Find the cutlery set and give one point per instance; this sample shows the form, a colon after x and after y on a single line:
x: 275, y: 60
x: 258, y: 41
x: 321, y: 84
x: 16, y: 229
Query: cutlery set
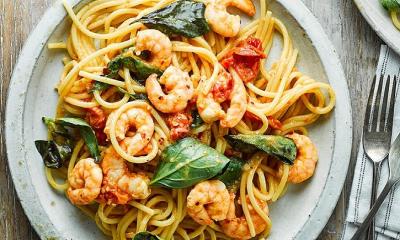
x: 377, y: 135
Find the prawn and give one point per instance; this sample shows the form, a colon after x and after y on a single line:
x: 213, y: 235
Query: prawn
x: 177, y: 84
x: 158, y: 44
x: 221, y: 21
x: 119, y: 184
x: 208, y: 201
x: 307, y: 157
x: 134, y: 118
x: 237, y: 227
x: 84, y: 182
x: 209, y: 105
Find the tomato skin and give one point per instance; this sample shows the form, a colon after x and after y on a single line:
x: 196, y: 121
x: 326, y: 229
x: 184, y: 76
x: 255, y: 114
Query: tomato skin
x: 179, y: 123
x: 274, y: 123
x: 245, y: 58
x: 97, y: 118
x: 223, y: 87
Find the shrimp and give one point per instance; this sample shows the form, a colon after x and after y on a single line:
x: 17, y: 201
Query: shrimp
x: 237, y: 227
x: 304, y: 164
x: 208, y: 201
x: 84, y: 182
x: 134, y: 118
x: 177, y: 84
x: 221, y: 21
x: 119, y: 184
x: 209, y: 105
x: 159, y: 46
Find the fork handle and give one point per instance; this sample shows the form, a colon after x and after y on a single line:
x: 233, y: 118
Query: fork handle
x: 373, y: 210
x: 375, y: 184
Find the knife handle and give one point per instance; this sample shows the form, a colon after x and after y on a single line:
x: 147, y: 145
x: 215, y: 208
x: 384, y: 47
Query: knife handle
x: 373, y: 210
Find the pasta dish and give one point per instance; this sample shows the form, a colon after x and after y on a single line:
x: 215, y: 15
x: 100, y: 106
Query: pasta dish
x: 170, y: 125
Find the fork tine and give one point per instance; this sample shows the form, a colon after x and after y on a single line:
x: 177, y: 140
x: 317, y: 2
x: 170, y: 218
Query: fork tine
x: 377, y: 103
x: 368, y: 111
x: 385, y: 101
x: 389, y: 122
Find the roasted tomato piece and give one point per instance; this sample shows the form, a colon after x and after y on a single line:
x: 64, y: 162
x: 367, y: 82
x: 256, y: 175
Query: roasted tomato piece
x: 179, y: 123
x: 97, y: 118
x: 223, y: 87
x: 274, y: 123
x: 245, y: 58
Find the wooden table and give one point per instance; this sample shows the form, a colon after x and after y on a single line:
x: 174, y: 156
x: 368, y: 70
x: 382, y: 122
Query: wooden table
x: 356, y: 43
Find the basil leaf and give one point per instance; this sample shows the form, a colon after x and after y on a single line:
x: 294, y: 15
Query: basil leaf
x: 86, y: 132
x: 184, y: 18
x: 146, y: 236
x: 55, y: 129
x: 99, y: 86
x: 139, y: 68
x: 53, y: 155
x: 136, y: 96
x: 281, y: 147
x: 232, y: 173
x: 187, y: 162
x: 390, y: 5
x: 197, y: 120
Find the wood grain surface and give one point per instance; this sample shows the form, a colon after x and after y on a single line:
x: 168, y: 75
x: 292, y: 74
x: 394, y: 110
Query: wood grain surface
x: 356, y: 43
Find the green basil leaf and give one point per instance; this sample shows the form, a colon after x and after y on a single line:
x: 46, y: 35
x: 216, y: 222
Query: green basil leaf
x: 55, y: 129
x: 184, y: 18
x: 390, y: 5
x: 136, y: 96
x: 146, y: 236
x: 86, y: 132
x: 140, y: 69
x: 281, y: 147
x: 53, y: 155
x: 232, y: 173
x: 99, y: 86
x: 187, y: 162
x: 197, y: 120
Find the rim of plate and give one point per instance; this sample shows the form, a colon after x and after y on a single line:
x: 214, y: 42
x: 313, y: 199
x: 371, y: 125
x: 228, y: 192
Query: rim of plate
x: 14, y: 130
x: 386, y: 34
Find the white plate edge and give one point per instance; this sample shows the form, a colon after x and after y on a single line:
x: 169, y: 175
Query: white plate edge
x: 383, y: 33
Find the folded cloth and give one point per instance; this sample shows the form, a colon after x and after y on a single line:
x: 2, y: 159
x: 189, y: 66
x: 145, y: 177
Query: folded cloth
x: 387, y: 220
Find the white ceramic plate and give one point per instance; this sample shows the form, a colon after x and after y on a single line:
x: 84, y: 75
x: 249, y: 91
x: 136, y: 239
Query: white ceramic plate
x: 301, y: 214
x: 380, y: 21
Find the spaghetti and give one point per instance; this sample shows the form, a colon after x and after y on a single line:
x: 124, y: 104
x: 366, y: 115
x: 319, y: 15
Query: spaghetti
x: 280, y: 100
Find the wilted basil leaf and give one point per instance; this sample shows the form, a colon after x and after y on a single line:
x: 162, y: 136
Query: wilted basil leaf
x: 136, y: 96
x: 232, y: 173
x: 184, y: 18
x: 86, y: 132
x: 139, y: 68
x: 146, y: 236
x: 53, y: 155
x: 99, y: 86
x: 55, y: 129
x: 281, y: 147
x: 197, y: 121
x: 187, y: 162
x: 390, y: 5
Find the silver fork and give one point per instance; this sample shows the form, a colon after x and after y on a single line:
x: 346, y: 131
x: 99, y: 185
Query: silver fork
x: 377, y: 132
